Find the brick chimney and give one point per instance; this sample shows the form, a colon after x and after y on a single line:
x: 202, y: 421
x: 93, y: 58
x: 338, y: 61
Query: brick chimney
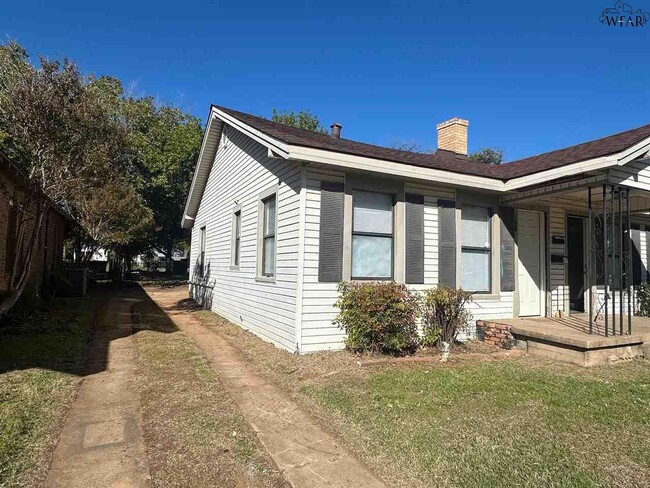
x: 452, y: 135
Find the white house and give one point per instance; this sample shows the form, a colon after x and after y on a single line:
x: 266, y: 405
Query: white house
x: 279, y: 215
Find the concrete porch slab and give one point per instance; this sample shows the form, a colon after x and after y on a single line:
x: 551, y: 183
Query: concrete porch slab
x: 567, y: 339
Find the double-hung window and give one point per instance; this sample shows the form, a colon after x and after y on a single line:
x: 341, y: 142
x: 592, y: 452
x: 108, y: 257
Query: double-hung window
x: 201, y: 263
x: 475, y: 249
x: 268, y: 236
x: 236, y: 238
x: 372, y: 236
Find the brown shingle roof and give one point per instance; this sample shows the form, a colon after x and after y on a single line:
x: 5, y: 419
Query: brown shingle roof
x: 573, y: 154
x: 446, y: 160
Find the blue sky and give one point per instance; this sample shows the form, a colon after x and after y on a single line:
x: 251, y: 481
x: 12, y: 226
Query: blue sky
x: 530, y: 76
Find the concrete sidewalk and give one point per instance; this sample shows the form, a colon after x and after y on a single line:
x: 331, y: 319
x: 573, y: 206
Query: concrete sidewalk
x: 101, y: 444
x: 308, y: 456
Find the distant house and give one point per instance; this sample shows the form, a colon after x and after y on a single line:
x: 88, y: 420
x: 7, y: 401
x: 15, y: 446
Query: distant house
x: 279, y: 215
x: 49, y: 248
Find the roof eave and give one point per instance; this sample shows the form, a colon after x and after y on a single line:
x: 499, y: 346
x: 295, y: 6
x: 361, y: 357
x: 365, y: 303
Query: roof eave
x: 209, y: 147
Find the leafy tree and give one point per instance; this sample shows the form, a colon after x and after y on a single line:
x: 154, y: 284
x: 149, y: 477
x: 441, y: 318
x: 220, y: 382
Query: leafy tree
x: 110, y: 216
x: 65, y: 137
x: 165, y: 143
x: 488, y: 155
x: 303, y: 119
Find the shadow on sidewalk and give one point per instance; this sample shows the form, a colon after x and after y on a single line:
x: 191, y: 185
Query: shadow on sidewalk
x: 73, y: 335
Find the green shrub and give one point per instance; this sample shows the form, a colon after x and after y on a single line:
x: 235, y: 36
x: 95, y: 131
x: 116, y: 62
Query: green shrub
x: 444, y: 315
x: 643, y: 295
x: 378, y: 317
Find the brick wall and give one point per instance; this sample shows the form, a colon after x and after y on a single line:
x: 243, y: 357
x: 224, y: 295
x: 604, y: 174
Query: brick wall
x: 495, y: 334
x: 6, y: 189
x: 48, y: 254
x: 452, y: 135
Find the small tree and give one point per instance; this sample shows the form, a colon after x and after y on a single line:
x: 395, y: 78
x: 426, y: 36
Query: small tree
x: 109, y: 216
x: 444, y: 315
x: 488, y: 155
x: 303, y: 119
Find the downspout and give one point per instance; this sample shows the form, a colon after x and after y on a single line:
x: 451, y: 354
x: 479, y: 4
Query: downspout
x: 301, y: 256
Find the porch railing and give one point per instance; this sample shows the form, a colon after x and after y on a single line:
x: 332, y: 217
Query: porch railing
x: 609, y: 258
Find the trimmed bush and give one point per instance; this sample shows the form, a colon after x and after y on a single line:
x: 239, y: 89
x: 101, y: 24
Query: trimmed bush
x: 444, y: 315
x: 378, y: 317
x: 643, y: 295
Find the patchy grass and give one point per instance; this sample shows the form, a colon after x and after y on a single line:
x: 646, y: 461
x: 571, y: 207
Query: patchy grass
x: 476, y: 421
x: 42, y: 348
x: 194, y: 432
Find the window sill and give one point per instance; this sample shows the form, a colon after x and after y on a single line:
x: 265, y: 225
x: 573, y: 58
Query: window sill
x: 234, y: 268
x: 265, y: 279
x: 492, y: 297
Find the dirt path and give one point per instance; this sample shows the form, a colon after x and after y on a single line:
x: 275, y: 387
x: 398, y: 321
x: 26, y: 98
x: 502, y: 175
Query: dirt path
x: 308, y: 456
x: 102, y: 443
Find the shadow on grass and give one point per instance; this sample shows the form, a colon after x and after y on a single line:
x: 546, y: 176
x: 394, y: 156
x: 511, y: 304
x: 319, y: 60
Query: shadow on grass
x: 73, y: 335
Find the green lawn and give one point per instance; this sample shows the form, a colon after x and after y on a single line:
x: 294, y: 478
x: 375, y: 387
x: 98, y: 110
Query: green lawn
x: 41, y: 356
x: 513, y: 422
x: 474, y: 421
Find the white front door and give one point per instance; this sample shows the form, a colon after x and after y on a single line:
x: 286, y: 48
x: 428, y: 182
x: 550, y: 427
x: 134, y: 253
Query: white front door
x: 530, y: 273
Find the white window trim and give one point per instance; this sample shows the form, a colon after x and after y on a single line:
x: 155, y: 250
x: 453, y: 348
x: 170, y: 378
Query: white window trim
x: 393, y: 209
x: 237, y: 208
x: 395, y: 187
x: 495, y: 252
x: 259, y: 276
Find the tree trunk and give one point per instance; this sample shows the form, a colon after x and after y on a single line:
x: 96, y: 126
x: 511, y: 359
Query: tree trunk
x: 24, y: 254
x: 11, y: 298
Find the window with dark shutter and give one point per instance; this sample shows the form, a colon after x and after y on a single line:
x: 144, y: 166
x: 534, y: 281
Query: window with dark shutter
x: 414, y: 226
x: 330, y: 265
x: 447, y: 243
x: 507, y: 230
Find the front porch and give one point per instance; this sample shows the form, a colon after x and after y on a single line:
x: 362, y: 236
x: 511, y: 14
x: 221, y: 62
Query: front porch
x: 567, y: 339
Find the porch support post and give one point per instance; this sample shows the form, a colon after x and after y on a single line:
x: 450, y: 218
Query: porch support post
x: 623, y: 270
x: 629, y: 268
x: 605, y: 259
x: 590, y: 236
x: 613, y: 270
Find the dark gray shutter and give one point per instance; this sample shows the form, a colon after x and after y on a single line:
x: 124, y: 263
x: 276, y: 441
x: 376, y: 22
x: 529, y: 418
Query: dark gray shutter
x: 447, y: 243
x: 507, y: 217
x: 637, y: 265
x: 414, y: 227
x: 330, y: 251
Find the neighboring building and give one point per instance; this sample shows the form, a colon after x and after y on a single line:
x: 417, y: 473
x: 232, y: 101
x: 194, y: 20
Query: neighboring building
x: 279, y: 215
x: 48, y: 257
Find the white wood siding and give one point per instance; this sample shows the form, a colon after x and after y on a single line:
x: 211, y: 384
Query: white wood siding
x: 241, y: 171
x: 318, y: 332
x: 559, y: 290
x: 318, y: 311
